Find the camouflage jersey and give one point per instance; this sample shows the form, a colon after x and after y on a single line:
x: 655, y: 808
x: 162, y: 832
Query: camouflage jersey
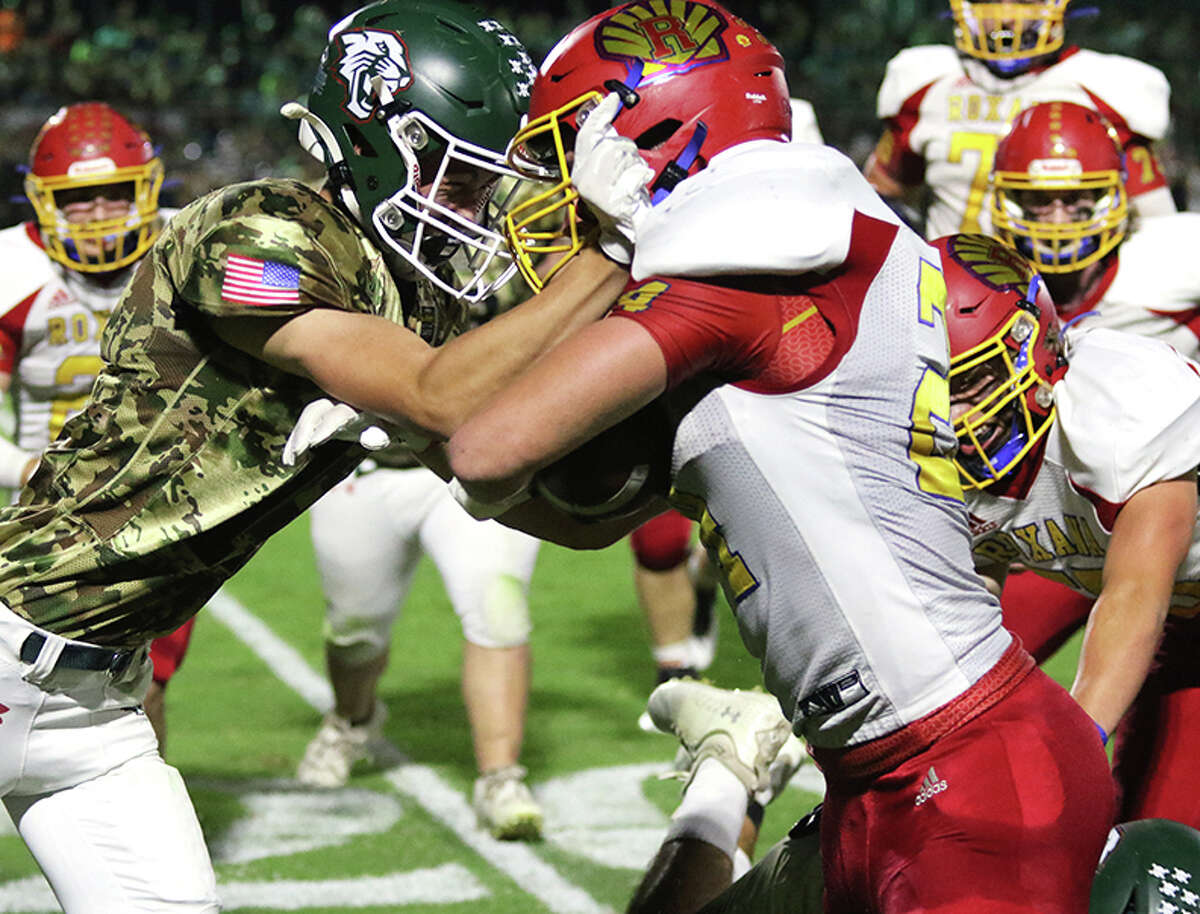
x: 170, y: 478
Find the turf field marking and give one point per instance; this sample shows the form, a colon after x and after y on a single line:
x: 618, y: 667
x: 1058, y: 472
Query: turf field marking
x: 445, y: 884
x: 418, y: 782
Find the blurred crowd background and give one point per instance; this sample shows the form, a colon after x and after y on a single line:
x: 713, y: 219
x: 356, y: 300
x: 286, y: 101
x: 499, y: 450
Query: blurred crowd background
x: 207, y: 79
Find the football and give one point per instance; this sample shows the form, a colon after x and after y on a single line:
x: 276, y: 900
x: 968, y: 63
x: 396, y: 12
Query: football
x: 617, y: 472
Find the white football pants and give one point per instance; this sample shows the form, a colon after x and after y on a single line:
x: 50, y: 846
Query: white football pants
x: 108, y: 821
x: 369, y: 533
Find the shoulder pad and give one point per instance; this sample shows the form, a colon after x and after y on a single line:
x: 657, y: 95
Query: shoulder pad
x: 1126, y: 408
x: 804, y: 122
x: 1159, y: 257
x: 761, y: 207
x: 25, y: 266
x: 910, y: 71
x: 1137, y: 91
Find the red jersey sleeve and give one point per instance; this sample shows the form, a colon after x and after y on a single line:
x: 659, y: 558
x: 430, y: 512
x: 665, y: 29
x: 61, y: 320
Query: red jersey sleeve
x: 1144, y: 171
x: 894, y: 154
x: 701, y: 327
x: 12, y: 332
x: 765, y: 333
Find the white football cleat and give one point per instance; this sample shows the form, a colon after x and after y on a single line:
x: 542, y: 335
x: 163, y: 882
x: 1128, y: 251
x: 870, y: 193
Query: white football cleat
x: 742, y: 730
x: 505, y: 807
x: 337, y: 746
x: 788, y: 761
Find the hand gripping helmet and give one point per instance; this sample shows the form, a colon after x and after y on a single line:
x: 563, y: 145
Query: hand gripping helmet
x: 1003, y: 355
x: 1058, y: 185
x: 694, y: 80
x: 1148, y: 867
x: 411, y: 110
x: 1009, y: 36
x: 85, y: 152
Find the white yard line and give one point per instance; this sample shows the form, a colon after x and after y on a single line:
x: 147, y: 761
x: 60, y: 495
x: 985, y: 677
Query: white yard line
x: 420, y: 783
x: 446, y: 884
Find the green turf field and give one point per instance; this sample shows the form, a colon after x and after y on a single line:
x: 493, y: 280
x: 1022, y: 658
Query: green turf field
x: 401, y: 838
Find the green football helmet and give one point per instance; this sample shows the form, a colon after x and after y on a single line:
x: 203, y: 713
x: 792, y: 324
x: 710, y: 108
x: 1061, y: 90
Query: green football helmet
x: 411, y: 111
x: 1150, y: 866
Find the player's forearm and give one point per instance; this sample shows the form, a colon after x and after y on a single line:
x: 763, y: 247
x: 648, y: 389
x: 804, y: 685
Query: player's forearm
x: 1151, y: 536
x: 1118, y: 648
x: 467, y: 371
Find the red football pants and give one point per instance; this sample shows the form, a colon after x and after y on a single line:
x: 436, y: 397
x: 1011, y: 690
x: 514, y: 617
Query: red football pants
x: 663, y: 542
x: 1041, y: 612
x: 167, y: 652
x: 1156, y: 751
x: 1006, y: 814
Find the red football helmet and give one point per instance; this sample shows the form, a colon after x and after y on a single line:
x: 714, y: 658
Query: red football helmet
x: 1058, y: 184
x: 694, y: 78
x: 89, y: 152
x: 1004, y: 355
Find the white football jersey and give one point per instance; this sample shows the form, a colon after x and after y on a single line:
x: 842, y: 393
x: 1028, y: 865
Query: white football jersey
x: 1156, y: 289
x: 1128, y: 417
x: 51, y: 320
x: 842, y: 539
x: 804, y: 122
x: 962, y: 111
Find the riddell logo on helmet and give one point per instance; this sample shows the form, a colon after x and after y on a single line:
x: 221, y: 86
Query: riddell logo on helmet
x: 371, y: 53
x: 930, y: 787
x: 90, y: 167
x: 665, y: 42
x: 4, y: 709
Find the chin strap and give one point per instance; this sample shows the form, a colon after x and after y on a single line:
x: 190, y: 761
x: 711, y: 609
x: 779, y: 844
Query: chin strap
x: 318, y: 141
x: 677, y: 169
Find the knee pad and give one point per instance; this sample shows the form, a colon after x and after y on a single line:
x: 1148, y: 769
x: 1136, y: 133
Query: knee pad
x: 357, y: 637
x: 663, y: 542
x: 501, y: 619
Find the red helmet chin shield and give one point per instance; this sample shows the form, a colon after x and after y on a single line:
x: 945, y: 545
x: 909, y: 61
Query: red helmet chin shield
x: 85, y: 152
x: 695, y: 80
x: 1004, y: 355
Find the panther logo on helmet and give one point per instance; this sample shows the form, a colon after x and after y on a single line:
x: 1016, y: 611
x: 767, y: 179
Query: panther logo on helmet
x: 367, y: 54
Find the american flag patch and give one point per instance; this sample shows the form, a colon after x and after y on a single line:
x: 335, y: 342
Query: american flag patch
x: 260, y: 282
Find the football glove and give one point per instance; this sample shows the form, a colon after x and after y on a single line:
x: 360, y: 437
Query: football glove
x: 611, y: 176
x: 324, y: 420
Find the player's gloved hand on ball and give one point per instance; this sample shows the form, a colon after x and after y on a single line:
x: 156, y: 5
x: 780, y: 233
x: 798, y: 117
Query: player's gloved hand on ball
x: 324, y: 420
x: 611, y: 176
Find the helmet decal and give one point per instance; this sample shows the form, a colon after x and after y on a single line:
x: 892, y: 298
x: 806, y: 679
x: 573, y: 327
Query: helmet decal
x: 519, y: 61
x: 995, y: 265
x: 368, y: 53
x: 664, y: 41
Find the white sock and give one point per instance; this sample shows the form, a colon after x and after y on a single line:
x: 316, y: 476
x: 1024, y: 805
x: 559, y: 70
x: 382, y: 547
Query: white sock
x: 712, y: 809
x: 741, y: 863
x: 677, y: 653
